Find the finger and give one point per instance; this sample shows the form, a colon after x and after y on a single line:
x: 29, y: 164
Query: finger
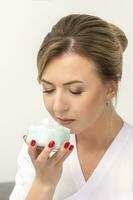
x: 32, y: 150
x: 61, y: 153
x: 66, y: 155
x: 38, y: 148
x: 45, y: 154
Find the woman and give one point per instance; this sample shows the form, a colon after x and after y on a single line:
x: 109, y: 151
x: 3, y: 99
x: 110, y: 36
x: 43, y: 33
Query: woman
x: 79, y: 67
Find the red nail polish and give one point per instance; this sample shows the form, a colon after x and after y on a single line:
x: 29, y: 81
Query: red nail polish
x: 66, y: 145
x: 71, y: 147
x: 51, y: 144
x: 33, y: 142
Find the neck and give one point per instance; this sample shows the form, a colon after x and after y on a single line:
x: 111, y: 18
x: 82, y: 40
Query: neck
x: 100, y: 134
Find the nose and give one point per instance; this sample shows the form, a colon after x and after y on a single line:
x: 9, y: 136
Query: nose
x: 60, y: 104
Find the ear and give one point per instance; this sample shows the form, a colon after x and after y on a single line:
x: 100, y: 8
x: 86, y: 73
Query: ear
x: 111, y: 89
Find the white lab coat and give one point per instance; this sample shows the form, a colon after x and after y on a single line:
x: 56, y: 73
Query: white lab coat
x: 111, y: 180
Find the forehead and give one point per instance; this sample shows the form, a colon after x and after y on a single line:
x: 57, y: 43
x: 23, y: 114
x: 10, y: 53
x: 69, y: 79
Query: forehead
x: 68, y: 67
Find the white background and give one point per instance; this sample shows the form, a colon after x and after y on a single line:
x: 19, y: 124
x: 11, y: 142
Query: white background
x: 23, y: 25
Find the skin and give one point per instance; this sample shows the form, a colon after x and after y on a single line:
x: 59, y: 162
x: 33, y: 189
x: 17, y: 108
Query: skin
x: 92, y: 125
x: 95, y: 125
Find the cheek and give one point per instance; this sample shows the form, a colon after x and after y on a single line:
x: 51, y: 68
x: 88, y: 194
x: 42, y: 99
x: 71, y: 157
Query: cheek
x: 47, y: 104
x: 89, y: 110
x: 91, y: 105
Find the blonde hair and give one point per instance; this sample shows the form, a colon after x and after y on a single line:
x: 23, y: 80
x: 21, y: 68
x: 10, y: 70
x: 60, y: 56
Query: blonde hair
x: 88, y: 36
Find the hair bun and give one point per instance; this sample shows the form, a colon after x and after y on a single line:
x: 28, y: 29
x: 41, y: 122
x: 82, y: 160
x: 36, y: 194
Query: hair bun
x: 120, y: 36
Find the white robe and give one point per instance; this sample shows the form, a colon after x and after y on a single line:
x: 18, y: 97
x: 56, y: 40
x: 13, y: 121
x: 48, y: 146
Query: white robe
x: 112, y: 179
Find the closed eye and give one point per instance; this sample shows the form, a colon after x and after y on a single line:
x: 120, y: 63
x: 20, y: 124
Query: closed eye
x: 48, y: 91
x: 75, y: 93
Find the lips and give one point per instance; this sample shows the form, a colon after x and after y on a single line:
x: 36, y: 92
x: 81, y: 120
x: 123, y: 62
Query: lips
x: 65, y: 121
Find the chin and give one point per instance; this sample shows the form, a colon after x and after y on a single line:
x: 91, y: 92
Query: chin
x: 75, y: 131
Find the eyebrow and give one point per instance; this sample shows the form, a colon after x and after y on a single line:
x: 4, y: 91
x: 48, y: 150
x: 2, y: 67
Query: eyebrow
x: 67, y: 83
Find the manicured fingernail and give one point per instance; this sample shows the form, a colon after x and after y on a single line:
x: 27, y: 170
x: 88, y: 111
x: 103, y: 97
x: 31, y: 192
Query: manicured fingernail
x: 51, y: 144
x: 33, y: 142
x: 71, y: 147
x: 66, y: 145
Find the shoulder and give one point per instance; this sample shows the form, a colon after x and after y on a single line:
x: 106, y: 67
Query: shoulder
x: 128, y: 137
x: 129, y: 129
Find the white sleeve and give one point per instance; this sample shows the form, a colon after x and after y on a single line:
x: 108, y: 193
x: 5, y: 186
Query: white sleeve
x: 24, y: 177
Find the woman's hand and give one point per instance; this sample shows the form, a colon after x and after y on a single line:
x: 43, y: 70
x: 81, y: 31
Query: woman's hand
x: 48, y: 169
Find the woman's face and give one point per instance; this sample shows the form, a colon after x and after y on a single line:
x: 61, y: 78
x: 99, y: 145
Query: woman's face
x: 73, y: 90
